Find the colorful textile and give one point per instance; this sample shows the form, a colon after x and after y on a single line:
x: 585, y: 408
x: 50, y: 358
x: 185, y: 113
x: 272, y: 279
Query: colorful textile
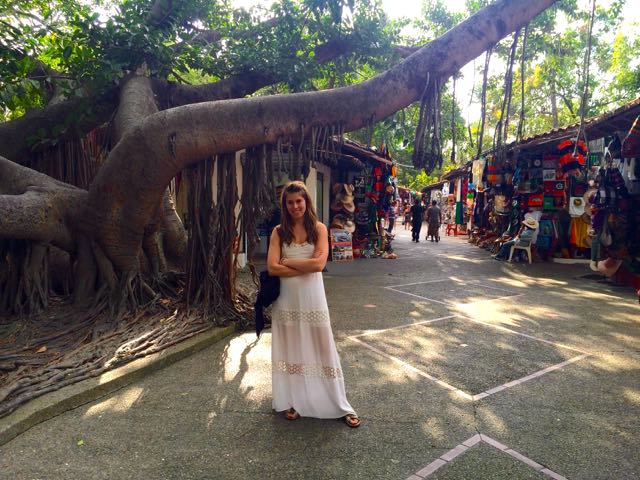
x: 579, y: 233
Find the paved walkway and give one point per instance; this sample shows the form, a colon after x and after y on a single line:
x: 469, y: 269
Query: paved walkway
x: 461, y: 367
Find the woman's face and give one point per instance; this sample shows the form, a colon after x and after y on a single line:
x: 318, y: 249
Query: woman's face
x: 296, y: 205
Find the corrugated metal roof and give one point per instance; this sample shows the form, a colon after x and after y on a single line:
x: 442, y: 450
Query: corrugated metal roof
x: 595, y: 127
x: 457, y: 172
x: 432, y: 186
x: 357, y: 148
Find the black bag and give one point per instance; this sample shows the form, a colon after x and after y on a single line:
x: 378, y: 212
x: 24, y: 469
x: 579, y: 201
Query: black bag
x: 268, y: 293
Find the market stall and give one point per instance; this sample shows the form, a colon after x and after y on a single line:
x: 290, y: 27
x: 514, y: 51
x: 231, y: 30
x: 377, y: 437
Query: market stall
x: 583, y: 193
x: 363, y: 198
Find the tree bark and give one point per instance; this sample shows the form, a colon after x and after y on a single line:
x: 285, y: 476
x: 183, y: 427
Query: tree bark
x: 136, y: 103
x: 33, y: 206
x: 40, y: 128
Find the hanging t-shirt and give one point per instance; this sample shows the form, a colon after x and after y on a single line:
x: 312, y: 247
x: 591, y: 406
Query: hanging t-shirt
x: 477, y: 169
x: 576, y: 206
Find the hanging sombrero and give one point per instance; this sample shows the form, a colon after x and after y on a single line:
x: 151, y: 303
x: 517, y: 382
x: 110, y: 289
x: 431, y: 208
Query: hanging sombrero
x: 568, y: 159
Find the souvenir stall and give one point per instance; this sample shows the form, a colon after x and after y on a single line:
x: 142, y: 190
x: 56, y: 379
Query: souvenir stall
x: 363, y: 198
x: 456, y: 211
x: 433, y: 192
x: 404, y: 195
x: 584, y: 195
x: 615, y: 212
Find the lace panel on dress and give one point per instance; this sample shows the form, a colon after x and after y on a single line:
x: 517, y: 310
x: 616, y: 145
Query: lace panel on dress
x: 308, y: 370
x: 314, y: 316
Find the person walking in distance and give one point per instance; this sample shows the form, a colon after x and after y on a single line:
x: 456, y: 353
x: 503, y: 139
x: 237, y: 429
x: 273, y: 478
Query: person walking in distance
x: 307, y: 378
x: 434, y: 220
x: 417, y: 211
x: 407, y: 216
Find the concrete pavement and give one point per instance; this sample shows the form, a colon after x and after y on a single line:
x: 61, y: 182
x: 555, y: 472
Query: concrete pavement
x: 460, y: 366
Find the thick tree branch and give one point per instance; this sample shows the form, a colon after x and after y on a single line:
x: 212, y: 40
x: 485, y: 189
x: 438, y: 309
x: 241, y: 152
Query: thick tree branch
x: 236, y: 86
x: 38, y: 128
x: 128, y: 188
x: 34, y: 206
x: 136, y: 103
x: 404, y: 51
x: 19, y: 138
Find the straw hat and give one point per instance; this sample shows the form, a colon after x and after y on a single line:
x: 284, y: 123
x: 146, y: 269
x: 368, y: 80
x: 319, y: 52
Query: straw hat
x: 346, y: 201
x: 349, y: 206
x: 530, y: 222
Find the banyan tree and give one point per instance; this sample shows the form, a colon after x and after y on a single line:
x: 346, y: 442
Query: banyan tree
x: 86, y: 211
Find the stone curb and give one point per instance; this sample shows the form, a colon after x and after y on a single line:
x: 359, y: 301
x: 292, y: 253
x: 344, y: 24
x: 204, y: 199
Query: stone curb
x: 52, y: 404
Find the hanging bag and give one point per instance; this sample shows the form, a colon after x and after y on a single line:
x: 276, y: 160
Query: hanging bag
x: 605, y: 235
x: 268, y: 293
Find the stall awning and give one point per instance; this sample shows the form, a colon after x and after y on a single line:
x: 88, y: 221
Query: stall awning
x: 433, y: 186
x: 458, y: 172
x: 358, y: 150
x: 606, y: 124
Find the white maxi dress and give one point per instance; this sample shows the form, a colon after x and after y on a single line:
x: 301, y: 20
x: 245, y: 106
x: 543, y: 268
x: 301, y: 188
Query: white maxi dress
x: 307, y: 374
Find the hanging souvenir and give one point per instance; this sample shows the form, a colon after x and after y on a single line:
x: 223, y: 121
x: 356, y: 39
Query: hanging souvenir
x: 576, y: 206
x: 570, y: 161
x: 631, y: 143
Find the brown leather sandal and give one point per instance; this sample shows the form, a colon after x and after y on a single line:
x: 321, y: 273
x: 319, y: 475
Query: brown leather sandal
x: 352, y: 420
x: 291, y: 414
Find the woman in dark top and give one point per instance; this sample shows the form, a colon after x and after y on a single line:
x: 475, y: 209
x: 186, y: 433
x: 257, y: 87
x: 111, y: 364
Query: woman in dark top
x: 416, y: 220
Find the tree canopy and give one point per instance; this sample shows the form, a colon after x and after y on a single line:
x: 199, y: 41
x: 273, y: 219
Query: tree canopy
x: 553, y: 81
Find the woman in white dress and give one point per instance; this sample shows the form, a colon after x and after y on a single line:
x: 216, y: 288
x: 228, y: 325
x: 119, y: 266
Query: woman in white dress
x: 307, y: 376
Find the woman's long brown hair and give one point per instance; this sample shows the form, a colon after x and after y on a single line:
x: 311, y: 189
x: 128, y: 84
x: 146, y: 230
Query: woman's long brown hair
x: 310, y: 217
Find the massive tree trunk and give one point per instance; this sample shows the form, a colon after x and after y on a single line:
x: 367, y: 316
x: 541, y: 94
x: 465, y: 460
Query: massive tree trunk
x: 121, y: 214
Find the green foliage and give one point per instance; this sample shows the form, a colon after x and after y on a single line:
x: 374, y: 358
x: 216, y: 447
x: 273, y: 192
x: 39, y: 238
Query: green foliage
x: 64, y: 48
x: 81, y: 48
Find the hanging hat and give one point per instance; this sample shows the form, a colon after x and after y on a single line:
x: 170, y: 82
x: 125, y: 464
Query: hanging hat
x: 530, y: 222
x: 349, y: 226
x: 345, y: 197
x: 338, y: 221
x: 348, y: 188
x: 349, y: 206
x: 346, y: 202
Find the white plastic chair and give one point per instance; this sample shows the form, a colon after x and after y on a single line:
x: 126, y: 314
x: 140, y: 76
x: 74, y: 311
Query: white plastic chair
x: 521, y: 245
